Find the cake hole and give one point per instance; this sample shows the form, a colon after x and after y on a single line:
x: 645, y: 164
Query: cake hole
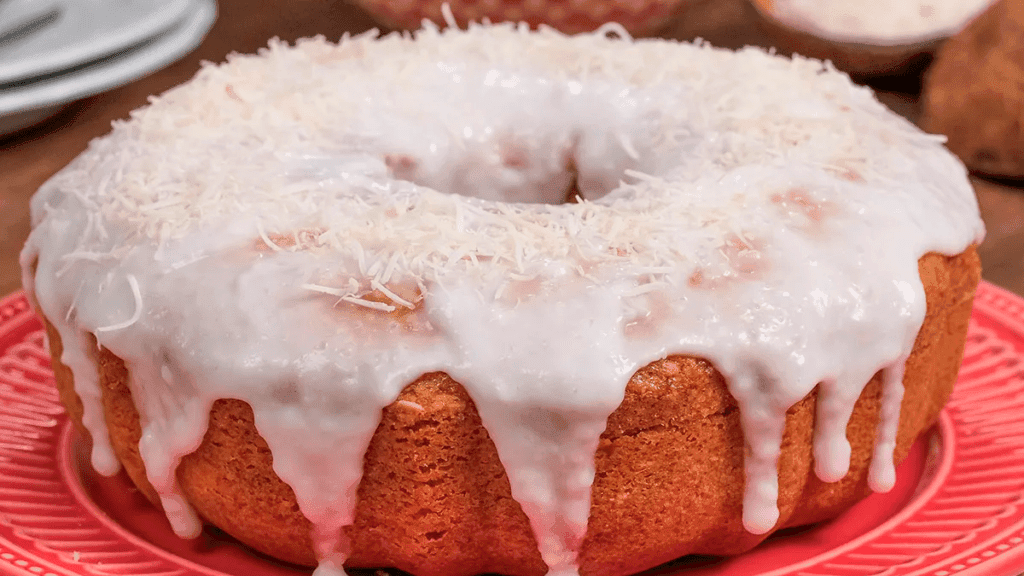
x: 515, y: 173
x: 526, y: 168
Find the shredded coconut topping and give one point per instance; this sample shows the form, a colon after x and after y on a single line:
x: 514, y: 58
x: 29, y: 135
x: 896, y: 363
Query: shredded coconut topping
x: 314, y: 148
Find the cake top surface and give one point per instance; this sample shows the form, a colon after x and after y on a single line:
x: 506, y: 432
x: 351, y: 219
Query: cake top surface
x: 356, y: 148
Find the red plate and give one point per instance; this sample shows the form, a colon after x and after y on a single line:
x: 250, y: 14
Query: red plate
x: 958, y: 505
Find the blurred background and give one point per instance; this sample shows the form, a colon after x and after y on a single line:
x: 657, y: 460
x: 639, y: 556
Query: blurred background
x: 70, y: 67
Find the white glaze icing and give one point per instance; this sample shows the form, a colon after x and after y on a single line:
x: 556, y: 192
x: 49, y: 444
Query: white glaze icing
x: 879, y: 21
x: 226, y: 242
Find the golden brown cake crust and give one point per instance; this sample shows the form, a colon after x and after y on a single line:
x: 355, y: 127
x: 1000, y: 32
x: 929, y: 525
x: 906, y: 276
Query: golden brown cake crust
x: 974, y: 92
x: 435, y: 500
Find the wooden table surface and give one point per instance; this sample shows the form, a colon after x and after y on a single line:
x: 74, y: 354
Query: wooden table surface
x: 27, y: 159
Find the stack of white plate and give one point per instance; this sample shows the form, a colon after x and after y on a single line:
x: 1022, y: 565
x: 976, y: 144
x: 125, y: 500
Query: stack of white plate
x: 53, y: 52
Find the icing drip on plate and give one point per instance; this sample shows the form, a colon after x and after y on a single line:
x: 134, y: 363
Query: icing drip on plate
x: 311, y: 229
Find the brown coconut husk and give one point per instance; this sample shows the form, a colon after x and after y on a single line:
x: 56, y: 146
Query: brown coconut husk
x: 974, y: 92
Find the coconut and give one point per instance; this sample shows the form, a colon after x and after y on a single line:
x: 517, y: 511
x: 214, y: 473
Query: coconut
x: 974, y: 92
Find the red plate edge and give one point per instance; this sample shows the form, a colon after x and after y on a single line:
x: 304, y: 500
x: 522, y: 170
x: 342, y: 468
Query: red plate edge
x: 982, y: 418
